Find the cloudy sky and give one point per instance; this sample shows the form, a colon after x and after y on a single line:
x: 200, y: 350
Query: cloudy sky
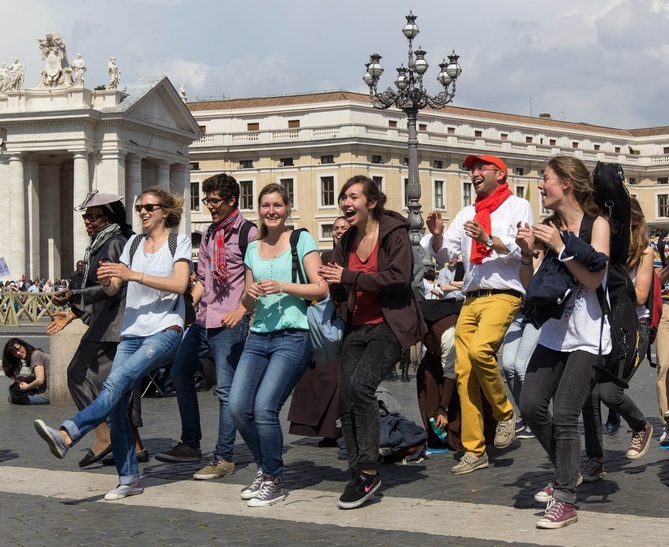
x: 604, y: 62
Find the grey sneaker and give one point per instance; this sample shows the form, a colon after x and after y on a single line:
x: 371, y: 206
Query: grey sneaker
x: 640, y: 442
x: 593, y: 470
x: 180, y: 453
x: 505, y: 432
x: 270, y: 492
x: 469, y: 463
x: 251, y: 491
x: 214, y: 469
x: 123, y: 491
x: 52, y: 437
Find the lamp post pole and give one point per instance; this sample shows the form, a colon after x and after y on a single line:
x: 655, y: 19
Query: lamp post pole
x: 410, y: 97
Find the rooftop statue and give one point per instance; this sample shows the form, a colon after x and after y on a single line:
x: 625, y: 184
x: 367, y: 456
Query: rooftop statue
x: 79, y: 68
x: 182, y: 93
x: 16, y: 75
x: 114, y: 74
x: 57, y: 72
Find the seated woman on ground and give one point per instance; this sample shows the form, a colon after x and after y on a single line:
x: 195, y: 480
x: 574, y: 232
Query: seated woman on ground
x: 32, y: 389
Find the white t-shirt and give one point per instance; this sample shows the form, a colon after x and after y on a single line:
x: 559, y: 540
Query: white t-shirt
x: 147, y: 310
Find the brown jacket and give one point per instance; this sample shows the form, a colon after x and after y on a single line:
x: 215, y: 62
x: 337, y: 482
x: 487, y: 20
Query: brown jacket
x: 393, y: 281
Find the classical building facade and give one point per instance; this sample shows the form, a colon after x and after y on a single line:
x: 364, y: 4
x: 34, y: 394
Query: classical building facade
x: 313, y: 143
x: 60, y: 144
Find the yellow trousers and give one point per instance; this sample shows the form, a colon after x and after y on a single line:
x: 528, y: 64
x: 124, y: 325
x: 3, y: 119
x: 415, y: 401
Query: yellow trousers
x: 482, y: 324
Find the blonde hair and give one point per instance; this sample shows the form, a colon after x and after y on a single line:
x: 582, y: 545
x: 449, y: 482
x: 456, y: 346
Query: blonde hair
x: 639, y: 240
x: 172, y: 204
x: 273, y: 188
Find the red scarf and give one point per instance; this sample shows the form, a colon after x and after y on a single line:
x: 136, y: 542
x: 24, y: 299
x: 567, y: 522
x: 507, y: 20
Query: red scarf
x: 219, y: 268
x: 483, y: 207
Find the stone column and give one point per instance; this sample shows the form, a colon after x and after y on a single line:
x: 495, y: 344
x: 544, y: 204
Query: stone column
x: 180, y: 184
x: 163, y: 174
x: 50, y: 224
x: 81, y: 187
x: 110, y: 174
x: 31, y: 168
x: 17, y: 218
x: 134, y: 189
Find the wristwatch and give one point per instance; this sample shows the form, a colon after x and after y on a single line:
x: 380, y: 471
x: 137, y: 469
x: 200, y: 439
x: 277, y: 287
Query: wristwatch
x: 489, y: 242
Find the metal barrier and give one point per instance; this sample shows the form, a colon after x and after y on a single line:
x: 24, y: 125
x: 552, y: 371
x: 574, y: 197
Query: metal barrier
x: 23, y: 307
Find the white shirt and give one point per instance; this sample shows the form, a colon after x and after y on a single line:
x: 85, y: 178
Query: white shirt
x: 149, y: 311
x: 496, y: 271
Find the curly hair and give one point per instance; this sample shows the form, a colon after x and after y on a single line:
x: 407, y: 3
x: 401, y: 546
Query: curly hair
x: 172, y: 204
x: 226, y: 186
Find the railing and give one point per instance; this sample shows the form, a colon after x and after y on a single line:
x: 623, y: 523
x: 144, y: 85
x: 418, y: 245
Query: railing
x: 23, y: 307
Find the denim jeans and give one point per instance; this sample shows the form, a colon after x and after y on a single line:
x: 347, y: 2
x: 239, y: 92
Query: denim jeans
x: 30, y: 397
x: 616, y: 398
x: 368, y: 353
x: 568, y: 379
x: 226, y: 345
x: 519, y: 343
x: 135, y: 358
x: 270, y: 366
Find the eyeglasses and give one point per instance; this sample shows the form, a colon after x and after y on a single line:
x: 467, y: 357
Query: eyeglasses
x: 91, y: 218
x: 150, y: 207
x: 213, y: 201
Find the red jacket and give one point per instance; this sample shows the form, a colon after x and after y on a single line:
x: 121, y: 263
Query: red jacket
x: 393, y: 281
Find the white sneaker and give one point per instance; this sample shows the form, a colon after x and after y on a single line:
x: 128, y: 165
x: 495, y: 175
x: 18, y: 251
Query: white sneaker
x: 123, y: 491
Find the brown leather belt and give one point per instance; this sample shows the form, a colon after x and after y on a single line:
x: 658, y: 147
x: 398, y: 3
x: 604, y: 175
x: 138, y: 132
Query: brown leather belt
x: 490, y: 292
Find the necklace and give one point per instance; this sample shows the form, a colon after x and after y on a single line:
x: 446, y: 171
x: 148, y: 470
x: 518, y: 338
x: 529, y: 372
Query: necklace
x: 277, y: 248
x: 153, y: 245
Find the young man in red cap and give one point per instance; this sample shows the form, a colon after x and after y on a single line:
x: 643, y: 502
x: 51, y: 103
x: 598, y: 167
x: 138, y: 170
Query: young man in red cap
x: 484, y: 233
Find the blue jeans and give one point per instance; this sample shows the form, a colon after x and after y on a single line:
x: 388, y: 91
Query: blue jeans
x: 268, y: 370
x: 568, y: 379
x: 135, y: 358
x: 519, y: 343
x: 226, y: 346
x: 30, y: 397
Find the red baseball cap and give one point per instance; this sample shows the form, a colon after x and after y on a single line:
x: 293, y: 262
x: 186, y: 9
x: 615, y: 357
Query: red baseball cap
x: 472, y: 159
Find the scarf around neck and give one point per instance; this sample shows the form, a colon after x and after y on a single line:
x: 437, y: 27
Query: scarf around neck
x: 483, y: 207
x: 219, y: 269
x: 104, y: 235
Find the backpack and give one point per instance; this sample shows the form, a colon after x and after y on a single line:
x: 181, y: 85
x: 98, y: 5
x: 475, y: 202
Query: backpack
x: 654, y: 306
x: 618, y: 301
x: 326, y: 327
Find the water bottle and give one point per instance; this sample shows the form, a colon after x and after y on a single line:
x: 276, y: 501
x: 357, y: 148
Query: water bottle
x: 439, y: 431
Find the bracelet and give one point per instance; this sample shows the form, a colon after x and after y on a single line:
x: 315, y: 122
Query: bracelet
x: 280, y: 287
x: 141, y: 281
x: 107, y: 285
x: 444, y: 408
x: 526, y: 262
x: 526, y: 255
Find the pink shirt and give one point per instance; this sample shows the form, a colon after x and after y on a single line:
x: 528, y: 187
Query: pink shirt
x: 217, y: 299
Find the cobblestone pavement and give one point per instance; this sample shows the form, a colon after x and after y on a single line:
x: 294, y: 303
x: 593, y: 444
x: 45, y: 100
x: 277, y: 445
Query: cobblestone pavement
x: 46, y: 500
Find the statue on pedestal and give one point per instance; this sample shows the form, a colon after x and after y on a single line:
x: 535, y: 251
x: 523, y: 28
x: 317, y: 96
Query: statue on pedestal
x: 182, y: 93
x: 79, y: 68
x: 55, y: 62
x: 114, y: 74
x: 15, y: 77
x: 4, y: 78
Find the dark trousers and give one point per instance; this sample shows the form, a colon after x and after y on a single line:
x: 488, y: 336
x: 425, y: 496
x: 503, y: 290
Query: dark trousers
x: 567, y: 379
x: 368, y: 353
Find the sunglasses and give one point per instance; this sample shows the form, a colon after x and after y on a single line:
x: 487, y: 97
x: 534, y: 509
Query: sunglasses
x: 91, y: 218
x: 150, y: 207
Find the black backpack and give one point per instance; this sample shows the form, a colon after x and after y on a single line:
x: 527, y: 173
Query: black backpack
x: 613, y: 198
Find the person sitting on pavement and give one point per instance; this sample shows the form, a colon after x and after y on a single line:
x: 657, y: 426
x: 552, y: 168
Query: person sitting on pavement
x: 221, y: 327
x: 562, y: 367
x: 640, y: 269
x: 153, y: 323
x: 484, y: 234
x: 33, y: 388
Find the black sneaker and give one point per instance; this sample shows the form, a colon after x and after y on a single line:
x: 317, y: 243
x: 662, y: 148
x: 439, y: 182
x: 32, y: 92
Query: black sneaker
x: 359, y: 490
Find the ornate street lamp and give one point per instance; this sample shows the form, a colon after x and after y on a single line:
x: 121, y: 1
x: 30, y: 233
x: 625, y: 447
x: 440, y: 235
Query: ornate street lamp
x: 411, y: 97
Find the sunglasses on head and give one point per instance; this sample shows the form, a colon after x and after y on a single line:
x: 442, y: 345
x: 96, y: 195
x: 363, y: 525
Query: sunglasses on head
x: 150, y: 207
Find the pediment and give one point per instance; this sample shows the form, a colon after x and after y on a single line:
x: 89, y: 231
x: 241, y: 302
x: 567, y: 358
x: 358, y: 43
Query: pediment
x: 155, y: 101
